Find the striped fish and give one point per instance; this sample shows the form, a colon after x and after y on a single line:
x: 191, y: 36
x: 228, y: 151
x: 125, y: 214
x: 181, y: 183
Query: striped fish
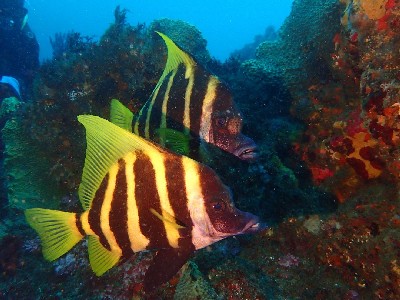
x: 138, y: 196
x: 190, y: 107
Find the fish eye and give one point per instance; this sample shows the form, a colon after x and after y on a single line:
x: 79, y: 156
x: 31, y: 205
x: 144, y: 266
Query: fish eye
x: 219, y: 205
x: 221, y: 121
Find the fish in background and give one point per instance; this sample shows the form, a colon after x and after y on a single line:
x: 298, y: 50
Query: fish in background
x: 188, y: 110
x: 138, y: 196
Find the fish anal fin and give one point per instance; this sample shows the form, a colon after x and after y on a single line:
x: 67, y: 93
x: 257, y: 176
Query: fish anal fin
x: 101, y: 259
x: 165, y: 265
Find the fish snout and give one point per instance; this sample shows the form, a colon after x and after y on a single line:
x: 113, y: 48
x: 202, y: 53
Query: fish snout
x: 246, y: 149
x: 253, y: 224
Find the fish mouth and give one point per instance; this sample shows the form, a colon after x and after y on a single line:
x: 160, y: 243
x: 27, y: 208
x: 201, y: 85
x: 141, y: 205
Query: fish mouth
x: 247, y: 152
x: 253, y: 226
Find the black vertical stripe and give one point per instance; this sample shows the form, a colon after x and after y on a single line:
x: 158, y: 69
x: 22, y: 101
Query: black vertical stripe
x: 79, y: 224
x: 211, y: 186
x: 176, y: 102
x: 176, y: 188
x: 95, y: 211
x: 147, y: 197
x: 156, y: 110
x: 224, y: 100
x: 118, y: 213
x: 201, y: 79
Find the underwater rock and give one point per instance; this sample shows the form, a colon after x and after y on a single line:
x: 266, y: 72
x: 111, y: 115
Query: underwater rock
x: 8, y: 107
x: 353, y: 134
x: 301, y: 55
x: 248, y: 51
x: 267, y: 89
x: 10, y: 246
x: 186, y: 36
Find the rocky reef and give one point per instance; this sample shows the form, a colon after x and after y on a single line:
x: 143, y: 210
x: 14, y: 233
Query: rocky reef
x: 321, y: 100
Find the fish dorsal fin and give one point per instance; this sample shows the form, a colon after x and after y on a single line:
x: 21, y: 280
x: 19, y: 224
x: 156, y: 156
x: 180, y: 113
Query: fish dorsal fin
x: 106, y: 143
x: 120, y: 115
x: 176, y: 56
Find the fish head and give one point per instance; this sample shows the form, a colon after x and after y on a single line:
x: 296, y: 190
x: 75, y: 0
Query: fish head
x: 227, y: 220
x: 216, y: 216
x: 226, y: 127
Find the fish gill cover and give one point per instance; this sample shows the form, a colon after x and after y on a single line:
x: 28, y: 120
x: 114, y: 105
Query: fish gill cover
x: 321, y: 101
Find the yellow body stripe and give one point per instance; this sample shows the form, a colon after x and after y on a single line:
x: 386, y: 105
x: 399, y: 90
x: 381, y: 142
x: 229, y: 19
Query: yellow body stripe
x: 163, y: 123
x: 157, y: 160
x: 195, y: 203
x: 85, y: 223
x: 208, y: 102
x: 106, y: 208
x: 188, y: 94
x: 149, y: 109
x: 138, y: 241
x: 194, y: 193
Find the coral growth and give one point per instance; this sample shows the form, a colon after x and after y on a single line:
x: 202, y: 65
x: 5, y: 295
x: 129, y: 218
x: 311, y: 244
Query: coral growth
x: 323, y: 103
x: 355, y: 125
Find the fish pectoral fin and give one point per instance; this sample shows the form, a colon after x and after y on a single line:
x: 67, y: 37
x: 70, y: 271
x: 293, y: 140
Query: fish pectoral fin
x: 167, y: 217
x: 120, y: 115
x: 174, y: 140
x: 165, y: 265
x: 101, y: 259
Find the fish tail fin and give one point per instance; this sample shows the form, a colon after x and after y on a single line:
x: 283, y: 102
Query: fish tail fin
x: 57, y: 230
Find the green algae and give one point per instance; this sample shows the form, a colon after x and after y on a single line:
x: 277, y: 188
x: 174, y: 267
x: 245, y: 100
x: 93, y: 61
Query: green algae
x: 193, y: 285
x: 29, y: 180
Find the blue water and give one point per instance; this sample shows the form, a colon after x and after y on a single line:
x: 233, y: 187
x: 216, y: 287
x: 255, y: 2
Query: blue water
x: 226, y: 25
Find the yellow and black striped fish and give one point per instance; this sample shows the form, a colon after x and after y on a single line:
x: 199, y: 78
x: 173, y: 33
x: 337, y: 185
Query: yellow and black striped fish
x: 189, y: 106
x: 139, y: 196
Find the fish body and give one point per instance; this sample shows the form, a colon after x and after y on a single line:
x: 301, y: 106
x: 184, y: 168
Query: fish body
x: 190, y: 100
x: 138, y: 196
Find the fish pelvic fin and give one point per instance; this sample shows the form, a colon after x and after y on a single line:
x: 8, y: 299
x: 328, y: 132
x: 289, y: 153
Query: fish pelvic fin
x: 174, y: 140
x: 120, y: 115
x: 57, y: 230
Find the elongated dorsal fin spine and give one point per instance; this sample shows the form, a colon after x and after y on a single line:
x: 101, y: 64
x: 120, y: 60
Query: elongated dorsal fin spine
x: 176, y: 56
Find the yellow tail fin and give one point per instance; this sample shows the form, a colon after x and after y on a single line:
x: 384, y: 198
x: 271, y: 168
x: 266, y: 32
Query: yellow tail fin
x: 57, y: 230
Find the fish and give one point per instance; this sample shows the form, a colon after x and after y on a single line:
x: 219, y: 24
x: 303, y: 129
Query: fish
x: 24, y: 21
x: 139, y: 196
x: 188, y: 108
